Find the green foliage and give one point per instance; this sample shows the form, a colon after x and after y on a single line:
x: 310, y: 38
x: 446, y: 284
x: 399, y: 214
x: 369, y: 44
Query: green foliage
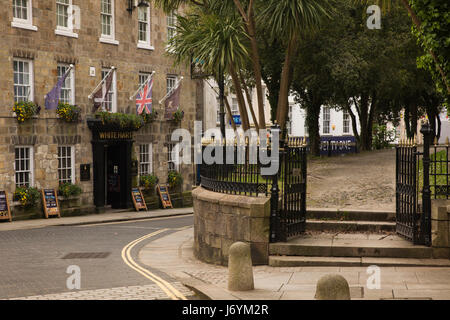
x: 68, y: 112
x: 210, y: 39
x: 27, y: 196
x: 25, y: 110
x: 178, y: 115
x: 382, y: 137
x: 174, y: 179
x: 69, y: 190
x: 434, y: 16
x: 149, y: 117
x: 122, y: 120
x: 148, y: 181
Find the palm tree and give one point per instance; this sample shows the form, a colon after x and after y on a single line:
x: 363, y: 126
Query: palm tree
x: 287, y: 20
x: 216, y: 42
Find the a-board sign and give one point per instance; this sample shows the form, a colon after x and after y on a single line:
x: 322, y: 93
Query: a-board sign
x: 163, y: 191
x: 5, y: 212
x: 50, y: 201
x: 138, y: 199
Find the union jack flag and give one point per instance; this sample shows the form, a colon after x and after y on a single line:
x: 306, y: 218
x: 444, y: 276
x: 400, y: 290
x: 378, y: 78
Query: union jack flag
x: 144, y: 99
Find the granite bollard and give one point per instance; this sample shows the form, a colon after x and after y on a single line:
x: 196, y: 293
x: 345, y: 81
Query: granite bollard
x: 240, y: 269
x: 332, y: 287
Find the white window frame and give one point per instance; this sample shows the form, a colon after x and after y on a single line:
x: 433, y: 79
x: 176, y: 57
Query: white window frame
x: 143, y: 76
x: 148, y: 152
x: 346, y: 122
x: 114, y: 90
x: 62, y: 30
x: 234, y: 107
x: 71, y: 81
x: 171, y: 24
x: 31, y: 165
x: 170, y: 78
x: 108, y: 38
x: 147, y: 43
x: 24, y: 23
x: 326, y: 120
x: 72, y: 164
x: 31, y: 77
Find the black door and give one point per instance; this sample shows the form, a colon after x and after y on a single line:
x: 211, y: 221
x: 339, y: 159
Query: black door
x: 114, y: 170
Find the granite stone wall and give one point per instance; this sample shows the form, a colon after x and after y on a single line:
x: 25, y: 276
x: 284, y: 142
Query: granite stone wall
x: 46, y: 50
x: 440, y: 228
x: 221, y: 219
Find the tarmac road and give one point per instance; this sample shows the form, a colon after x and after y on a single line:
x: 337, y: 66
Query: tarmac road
x: 35, y: 262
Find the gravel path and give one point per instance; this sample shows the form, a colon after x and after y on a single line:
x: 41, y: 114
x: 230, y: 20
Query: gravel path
x: 362, y: 181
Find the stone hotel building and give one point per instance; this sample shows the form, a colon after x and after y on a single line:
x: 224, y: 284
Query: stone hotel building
x: 39, y: 40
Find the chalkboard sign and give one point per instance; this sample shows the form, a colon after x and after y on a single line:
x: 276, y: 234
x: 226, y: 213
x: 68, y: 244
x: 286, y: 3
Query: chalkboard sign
x: 163, y: 191
x: 5, y: 212
x: 138, y: 199
x: 50, y: 201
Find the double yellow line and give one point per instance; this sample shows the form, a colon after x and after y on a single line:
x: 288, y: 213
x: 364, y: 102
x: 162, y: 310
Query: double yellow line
x: 171, y: 292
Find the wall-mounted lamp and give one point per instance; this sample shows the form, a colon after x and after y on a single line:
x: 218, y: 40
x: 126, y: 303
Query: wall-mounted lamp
x: 136, y: 3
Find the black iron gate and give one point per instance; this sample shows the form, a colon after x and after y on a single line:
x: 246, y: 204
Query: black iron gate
x: 293, y: 193
x: 414, y: 189
x: 407, y: 192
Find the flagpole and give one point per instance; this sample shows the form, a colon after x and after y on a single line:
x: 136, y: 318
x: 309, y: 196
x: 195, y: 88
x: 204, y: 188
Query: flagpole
x: 150, y: 77
x: 171, y: 91
x: 65, y: 74
x: 101, y: 82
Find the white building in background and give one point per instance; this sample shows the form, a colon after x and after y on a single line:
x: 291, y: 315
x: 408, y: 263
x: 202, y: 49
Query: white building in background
x: 331, y: 121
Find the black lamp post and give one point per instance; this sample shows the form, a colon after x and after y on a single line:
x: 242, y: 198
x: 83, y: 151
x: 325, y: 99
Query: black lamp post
x: 222, y: 101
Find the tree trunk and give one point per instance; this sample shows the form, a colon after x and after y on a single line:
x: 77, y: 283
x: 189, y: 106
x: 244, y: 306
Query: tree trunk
x: 240, y: 98
x: 230, y: 114
x: 312, y: 119
x: 354, y: 123
x: 283, y: 99
x: 249, y: 21
x: 363, y: 120
x: 249, y: 101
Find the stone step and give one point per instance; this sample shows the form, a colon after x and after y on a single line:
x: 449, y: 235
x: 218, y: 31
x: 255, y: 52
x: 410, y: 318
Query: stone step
x: 350, y: 245
x: 303, y: 261
x: 350, y: 226
x: 350, y: 214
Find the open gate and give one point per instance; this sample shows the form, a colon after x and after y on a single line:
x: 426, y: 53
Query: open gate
x: 293, y: 192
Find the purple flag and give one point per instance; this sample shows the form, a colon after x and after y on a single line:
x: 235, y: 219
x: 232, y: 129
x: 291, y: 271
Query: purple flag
x: 172, y: 103
x: 101, y: 94
x: 52, y: 98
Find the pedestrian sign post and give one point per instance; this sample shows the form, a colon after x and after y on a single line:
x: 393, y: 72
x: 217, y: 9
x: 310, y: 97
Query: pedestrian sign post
x: 138, y: 199
x: 50, y: 201
x: 163, y: 191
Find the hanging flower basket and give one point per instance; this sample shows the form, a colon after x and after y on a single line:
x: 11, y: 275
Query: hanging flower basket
x: 178, y: 116
x: 149, y: 117
x: 68, y: 113
x: 120, y: 121
x: 25, y: 110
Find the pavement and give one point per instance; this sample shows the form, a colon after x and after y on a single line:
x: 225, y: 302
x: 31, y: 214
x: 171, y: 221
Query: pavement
x: 109, y: 216
x: 174, y: 255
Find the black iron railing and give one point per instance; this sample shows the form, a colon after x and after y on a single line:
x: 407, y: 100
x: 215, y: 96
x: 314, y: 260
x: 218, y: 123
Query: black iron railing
x: 286, y: 188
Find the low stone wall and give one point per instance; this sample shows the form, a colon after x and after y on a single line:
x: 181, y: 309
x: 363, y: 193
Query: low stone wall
x: 221, y: 219
x: 440, y: 228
